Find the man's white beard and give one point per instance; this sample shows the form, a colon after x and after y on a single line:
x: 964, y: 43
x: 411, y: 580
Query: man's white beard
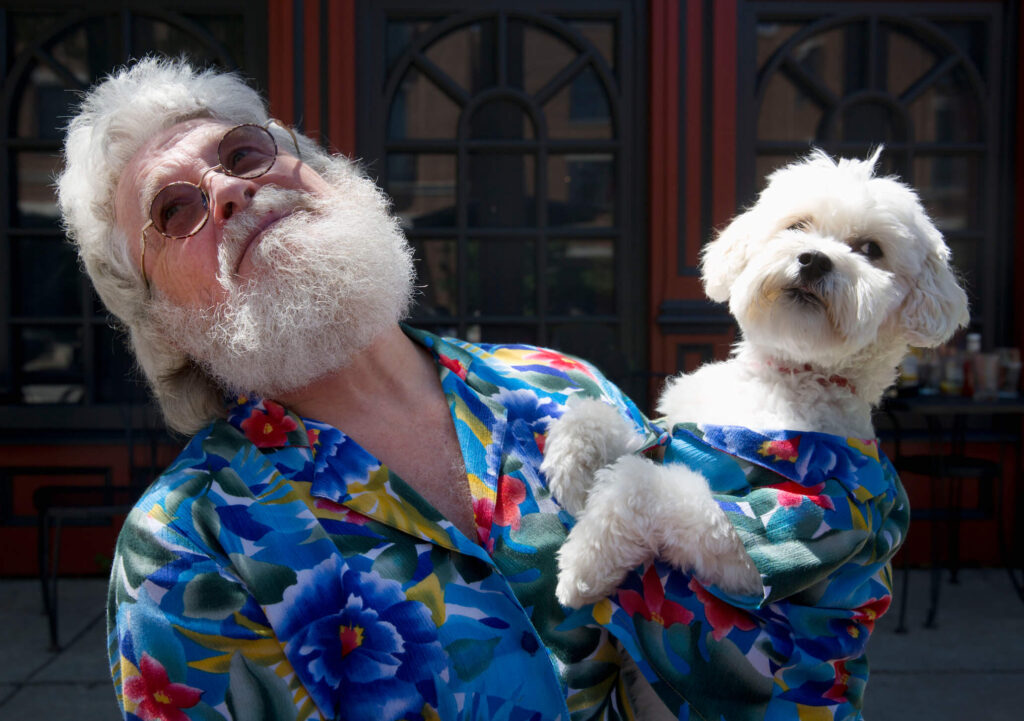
x: 326, y: 280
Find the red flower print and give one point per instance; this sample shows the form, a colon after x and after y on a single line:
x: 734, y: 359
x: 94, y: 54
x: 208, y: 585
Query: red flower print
x: 156, y: 697
x: 841, y: 684
x: 349, y: 516
x: 511, y: 492
x: 870, y: 612
x: 783, y: 450
x: 268, y: 429
x: 652, y: 605
x: 313, y: 436
x: 722, y: 617
x: 483, y: 512
x: 557, y: 360
x: 454, y: 365
x: 793, y: 494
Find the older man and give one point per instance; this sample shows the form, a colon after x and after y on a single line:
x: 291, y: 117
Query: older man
x: 360, y: 530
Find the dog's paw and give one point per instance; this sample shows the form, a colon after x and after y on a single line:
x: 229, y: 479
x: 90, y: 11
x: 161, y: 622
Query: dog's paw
x: 588, y: 436
x: 586, y: 572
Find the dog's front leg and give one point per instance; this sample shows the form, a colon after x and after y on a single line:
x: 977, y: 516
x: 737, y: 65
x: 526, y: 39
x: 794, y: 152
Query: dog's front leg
x: 637, y: 510
x: 589, y: 435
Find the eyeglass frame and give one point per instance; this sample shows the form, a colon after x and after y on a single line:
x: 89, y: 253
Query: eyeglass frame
x: 219, y: 167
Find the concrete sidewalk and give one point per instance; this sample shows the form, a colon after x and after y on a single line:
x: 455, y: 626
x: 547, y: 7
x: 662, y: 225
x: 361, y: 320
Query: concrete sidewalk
x: 970, y: 668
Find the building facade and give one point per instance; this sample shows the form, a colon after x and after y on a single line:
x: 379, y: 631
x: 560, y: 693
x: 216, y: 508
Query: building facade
x: 557, y: 167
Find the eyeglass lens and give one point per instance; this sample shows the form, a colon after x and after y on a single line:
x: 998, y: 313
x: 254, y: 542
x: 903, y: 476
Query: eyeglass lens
x: 180, y: 209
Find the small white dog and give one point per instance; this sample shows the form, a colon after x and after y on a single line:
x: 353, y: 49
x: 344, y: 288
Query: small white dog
x: 831, y: 275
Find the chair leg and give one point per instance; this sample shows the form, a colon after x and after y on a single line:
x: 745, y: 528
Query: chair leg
x: 43, y: 551
x: 901, y: 627
x: 52, y: 581
x: 956, y: 493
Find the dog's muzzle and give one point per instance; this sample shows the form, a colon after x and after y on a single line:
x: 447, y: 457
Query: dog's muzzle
x: 813, y: 266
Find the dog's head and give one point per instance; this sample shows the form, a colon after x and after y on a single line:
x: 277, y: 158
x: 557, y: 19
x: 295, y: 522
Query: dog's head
x: 832, y: 259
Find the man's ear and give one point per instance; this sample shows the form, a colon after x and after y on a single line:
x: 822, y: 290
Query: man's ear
x: 936, y: 306
x: 724, y: 258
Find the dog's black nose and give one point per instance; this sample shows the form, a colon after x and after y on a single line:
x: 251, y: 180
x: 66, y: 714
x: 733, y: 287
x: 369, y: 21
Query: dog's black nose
x: 813, y: 265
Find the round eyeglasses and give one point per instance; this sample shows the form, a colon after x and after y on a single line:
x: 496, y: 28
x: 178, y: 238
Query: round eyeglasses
x: 181, y: 209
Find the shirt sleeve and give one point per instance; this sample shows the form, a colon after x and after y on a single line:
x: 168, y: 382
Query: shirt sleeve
x: 186, y: 638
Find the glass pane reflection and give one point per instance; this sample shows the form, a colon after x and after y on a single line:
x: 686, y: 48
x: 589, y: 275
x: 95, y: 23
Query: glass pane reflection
x: 581, y: 277
x: 787, y: 113
x: 581, y: 189
x: 36, y: 204
x: 421, y: 110
x: 436, y: 278
x: 580, y: 109
x: 422, y: 187
x: 501, y: 277
x: 502, y: 190
x: 946, y: 185
x: 50, y: 361
x: 46, y: 281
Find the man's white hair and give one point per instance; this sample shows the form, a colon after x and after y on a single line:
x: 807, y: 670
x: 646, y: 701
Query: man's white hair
x: 114, y: 121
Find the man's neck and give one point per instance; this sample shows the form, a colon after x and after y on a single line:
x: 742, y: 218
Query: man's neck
x: 392, y: 371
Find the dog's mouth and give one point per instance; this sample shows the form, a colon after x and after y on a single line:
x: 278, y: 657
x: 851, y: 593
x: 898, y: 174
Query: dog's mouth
x: 802, y: 296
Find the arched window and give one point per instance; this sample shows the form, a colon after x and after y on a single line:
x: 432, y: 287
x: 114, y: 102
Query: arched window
x: 507, y: 140
x: 57, y: 346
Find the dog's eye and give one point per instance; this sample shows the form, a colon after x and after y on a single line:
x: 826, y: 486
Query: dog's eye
x: 799, y: 224
x: 869, y: 249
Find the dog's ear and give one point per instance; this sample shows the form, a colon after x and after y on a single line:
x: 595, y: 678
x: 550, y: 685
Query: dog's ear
x: 936, y: 306
x: 724, y: 258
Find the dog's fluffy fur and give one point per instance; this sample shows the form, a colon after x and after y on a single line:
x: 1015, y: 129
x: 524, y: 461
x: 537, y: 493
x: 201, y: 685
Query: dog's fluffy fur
x: 831, y: 275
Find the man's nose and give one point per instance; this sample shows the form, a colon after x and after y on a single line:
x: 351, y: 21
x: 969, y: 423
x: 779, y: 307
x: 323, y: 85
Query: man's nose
x: 229, y: 194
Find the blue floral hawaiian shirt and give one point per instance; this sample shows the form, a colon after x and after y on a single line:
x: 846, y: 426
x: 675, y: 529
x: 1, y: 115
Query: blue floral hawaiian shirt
x: 277, y: 570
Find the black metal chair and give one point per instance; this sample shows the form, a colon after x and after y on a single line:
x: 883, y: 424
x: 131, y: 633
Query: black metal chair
x: 60, y: 504
x: 947, y: 474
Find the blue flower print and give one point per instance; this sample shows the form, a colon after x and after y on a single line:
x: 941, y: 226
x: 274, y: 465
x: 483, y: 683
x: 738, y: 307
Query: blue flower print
x: 367, y: 652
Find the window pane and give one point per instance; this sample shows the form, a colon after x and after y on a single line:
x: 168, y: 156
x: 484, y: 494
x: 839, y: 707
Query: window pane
x: 161, y: 37
x: 580, y: 109
x: 601, y: 36
x: 502, y: 190
x: 598, y: 343
x: 422, y: 187
x: 501, y: 120
x: 869, y: 122
x: 116, y: 377
x: 581, y: 277
x: 947, y: 186
x: 466, y: 55
x: 909, y: 61
x: 436, y: 278
x: 947, y: 112
x: 421, y: 110
x: 581, y: 190
x: 787, y: 113
x: 542, y: 57
x: 46, y: 281
x: 771, y: 36
x: 501, y: 277
x: 46, y: 103
x: 36, y: 205
x: 400, y: 35
x: 50, y: 361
